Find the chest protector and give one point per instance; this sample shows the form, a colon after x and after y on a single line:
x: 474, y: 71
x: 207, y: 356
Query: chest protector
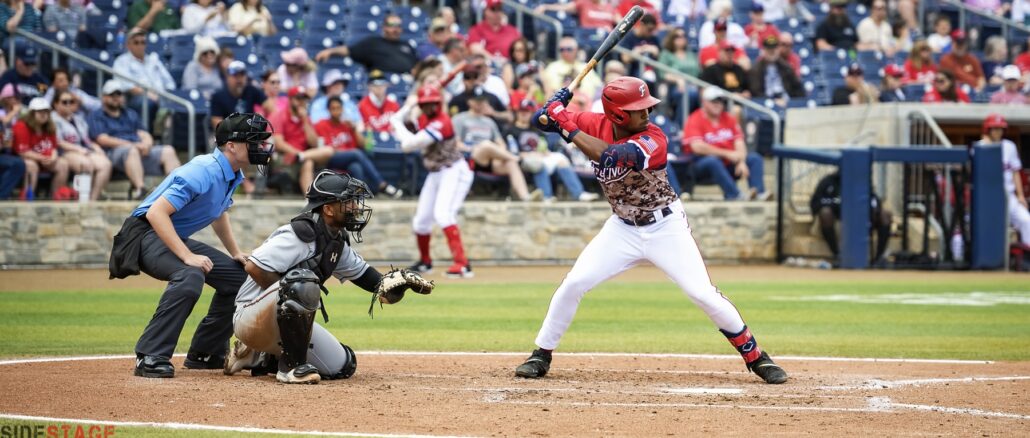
x: 310, y: 227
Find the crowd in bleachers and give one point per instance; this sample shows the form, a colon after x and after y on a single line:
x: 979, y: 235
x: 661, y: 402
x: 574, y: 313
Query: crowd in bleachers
x: 330, y: 73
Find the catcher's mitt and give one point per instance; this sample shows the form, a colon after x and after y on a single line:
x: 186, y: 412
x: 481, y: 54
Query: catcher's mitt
x: 393, y: 285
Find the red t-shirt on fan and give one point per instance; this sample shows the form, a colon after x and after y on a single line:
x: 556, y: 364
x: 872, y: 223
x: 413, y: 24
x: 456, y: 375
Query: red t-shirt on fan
x: 722, y: 133
x: 378, y: 118
x: 25, y: 140
x: 339, y: 136
x: 292, y: 130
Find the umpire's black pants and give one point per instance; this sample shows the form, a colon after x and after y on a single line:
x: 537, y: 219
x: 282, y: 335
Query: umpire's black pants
x: 184, y: 286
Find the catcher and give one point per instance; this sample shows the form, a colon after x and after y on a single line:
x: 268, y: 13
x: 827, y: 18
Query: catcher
x: 276, y: 306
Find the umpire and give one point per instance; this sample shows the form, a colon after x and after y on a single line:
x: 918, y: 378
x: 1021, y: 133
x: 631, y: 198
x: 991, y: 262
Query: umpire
x: 156, y: 240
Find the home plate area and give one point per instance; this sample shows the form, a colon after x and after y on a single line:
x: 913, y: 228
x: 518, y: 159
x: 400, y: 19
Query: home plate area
x: 476, y: 394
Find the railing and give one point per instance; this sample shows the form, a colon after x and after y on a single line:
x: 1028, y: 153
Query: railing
x: 964, y: 9
x: 104, y: 69
x: 521, y: 10
x: 923, y: 130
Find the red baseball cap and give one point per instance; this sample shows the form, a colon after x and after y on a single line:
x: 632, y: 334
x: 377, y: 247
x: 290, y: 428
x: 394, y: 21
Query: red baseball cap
x: 958, y: 35
x: 720, y: 24
x: 893, y: 70
x: 492, y: 3
x: 295, y: 90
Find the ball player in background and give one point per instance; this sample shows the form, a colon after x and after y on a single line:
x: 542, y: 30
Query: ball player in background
x: 994, y: 127
x: 447, y: 184
x: 628, y: 154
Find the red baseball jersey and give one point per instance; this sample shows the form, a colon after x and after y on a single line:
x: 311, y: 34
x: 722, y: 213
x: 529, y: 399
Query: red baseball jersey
x: 722, y: 133
x: 25, y: 140
x: 632, y: 194
x: 444, y: 151
x: 378, y: 118
x: 339, y: 136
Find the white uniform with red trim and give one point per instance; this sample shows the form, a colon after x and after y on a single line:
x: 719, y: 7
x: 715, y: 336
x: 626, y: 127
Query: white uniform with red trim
x: 1018, y: 214
x: 661, y: 236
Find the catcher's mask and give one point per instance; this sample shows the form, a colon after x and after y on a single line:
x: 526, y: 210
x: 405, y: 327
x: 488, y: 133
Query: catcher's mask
x: 330, y: 186
x: 250, y: 129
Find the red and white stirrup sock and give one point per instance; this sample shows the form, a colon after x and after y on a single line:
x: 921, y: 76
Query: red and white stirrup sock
x: 423, y: 248
x: 454, y: 242
x: 745, y: 344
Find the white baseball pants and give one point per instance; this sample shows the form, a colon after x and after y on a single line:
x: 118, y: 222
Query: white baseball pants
x: 442, y: 196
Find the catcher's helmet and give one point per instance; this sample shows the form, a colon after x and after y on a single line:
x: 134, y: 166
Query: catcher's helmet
x: 330, y: 186
x: 995, y: 120
x: 251, y: 129
x: 626, y: 94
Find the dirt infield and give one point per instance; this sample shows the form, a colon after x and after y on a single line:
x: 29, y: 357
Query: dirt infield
x: 585, y: 395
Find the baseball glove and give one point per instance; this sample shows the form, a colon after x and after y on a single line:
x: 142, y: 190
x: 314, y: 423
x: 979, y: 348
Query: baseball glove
x: 395, y: 283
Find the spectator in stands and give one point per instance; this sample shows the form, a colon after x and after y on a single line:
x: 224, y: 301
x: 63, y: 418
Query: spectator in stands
x: 152, y: 16
x: 238, y: 96
x: 651, y: 7
x: 16, y: 14
x: 27, y: 81
x: 376, y: 107
x: 130, y: 148
x: 726, y: 74
x: 436, y: 37
x: 996, y: 7
x: 202, y: 73
x: 685, y: 10
x: 35, y: 141
x: 60, y: 81
x: 787, y: 52
x: 490, y: 82
x: 964, y: 65
x: 825, y: 205
x: 797, y: 10
x: 333, y: 85
x: 676, y: 53
x: 919, y: 67
x: 454, y: 55
x: 940, y: 39
x: 12, y: 172
x: 386, y: 52
x: 205, y: 18
x: 758, y: 30
x: 836, y: 31
x: 775, y: 10
x: 341, y: 149
x: 772, y: 76
x: 562, y: 71
x: 472, y: 82
x: 270, y: 87
x: 83, y: 155
x: 493, y: 35
x: 709, y: 54
x: 1010, y: 93
x: 855, y: 91
x: 1023, y: 59
x: 294, y: 134
x: 65, y: 16
x: 529, y: 87
x: 538, y: 159
x: 875, y: 32
x: 521, y: 53
x: 9, y: 113
x: 475, y: 131
x: 995, y: 58
x: 251, y: 17
x: 1020, y: 12
x: 901, y: 36
x: 592, y: 14
x: 890, y: 85
x: 719, y: 20
x: 643, y: 41
x: 713, y: 140
x: 945, y: 90
x: 147, y: 68
x: 297, y: 70
x: 613, y: 69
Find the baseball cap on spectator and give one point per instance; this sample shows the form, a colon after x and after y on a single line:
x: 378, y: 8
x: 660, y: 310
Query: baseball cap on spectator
x: 958, y: 36
x: 26, y: 53
x: 720, y: 25
x: 437, y: 24
x: 377, y: 77
x: 855, y: 70
x: 297, y: 90
x: 893, y: 70
x: 135, y: 31
x: 1010, y: 72
x: 526, y: 105
x: 713, y: 93
x: 39, y: 104
x: 8, y: 91
x: 111, y: 86
x: 478, y: 93
x: 333, y: 76
x: 295, y: 56
x: 236, y: 67
x: 526, y: 68
x: 493, y: 3
x: 771, y: 42
x: 757, y: 7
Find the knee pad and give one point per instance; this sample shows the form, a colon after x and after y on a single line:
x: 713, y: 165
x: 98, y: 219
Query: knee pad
x: 299, y: 298
x: 348, y: 368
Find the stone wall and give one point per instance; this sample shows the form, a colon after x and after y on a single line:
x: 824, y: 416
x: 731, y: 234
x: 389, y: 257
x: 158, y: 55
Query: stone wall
x: 72, y: 234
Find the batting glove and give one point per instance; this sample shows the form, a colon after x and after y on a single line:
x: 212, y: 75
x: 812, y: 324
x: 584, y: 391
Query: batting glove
x: 563, y: 95
x: 560, y: 118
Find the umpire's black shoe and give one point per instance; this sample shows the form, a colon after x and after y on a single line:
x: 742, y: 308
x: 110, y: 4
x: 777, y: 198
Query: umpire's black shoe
x: 767, y: 370
x: 536, y: 366
x: 154, y: 366
x: 203, y: 361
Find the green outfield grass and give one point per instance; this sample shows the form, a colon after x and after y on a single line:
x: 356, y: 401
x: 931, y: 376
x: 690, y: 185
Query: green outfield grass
x: 616, y: 317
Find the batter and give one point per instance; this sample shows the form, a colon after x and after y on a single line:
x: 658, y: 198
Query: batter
x: 628, y: 155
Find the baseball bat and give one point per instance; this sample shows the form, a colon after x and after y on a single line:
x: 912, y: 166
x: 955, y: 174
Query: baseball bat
x: 609, y: 43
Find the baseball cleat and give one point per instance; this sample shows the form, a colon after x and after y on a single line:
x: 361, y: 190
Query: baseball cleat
x: 536, y: 366
x: 154, y: 367
x: 303, y: 373
x: 460, y: 271
x: 203, y: 361
x: 240, y: 357
x: 422, y: 267
x: 767, y: 370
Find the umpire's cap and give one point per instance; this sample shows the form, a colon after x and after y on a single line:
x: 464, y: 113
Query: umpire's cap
x: 330, y: 186
x: 246, y: 128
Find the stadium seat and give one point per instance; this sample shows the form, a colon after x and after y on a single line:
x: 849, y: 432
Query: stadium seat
x: 180, y: 118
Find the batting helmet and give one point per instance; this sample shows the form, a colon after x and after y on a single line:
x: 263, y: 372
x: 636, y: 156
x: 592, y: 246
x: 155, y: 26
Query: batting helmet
x: 429, y: 94
x: 995, y: 120
x: 625, y: 94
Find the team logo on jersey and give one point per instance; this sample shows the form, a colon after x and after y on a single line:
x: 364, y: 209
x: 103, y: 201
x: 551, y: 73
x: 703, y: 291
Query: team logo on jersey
x: 647, y: 144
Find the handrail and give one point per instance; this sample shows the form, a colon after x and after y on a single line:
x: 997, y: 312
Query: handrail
x: 702, y: 84
x: 103, y: 68
x: 522, y: 9
x: 932, y: 123
x: 963, y: 9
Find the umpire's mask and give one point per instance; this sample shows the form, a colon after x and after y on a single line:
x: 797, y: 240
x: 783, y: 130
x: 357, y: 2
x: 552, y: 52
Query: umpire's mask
x: 330, y: 186
x: 251, y: 129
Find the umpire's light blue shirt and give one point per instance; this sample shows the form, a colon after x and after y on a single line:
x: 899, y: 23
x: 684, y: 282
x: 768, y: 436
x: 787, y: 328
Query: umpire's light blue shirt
x: 200, y: 191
